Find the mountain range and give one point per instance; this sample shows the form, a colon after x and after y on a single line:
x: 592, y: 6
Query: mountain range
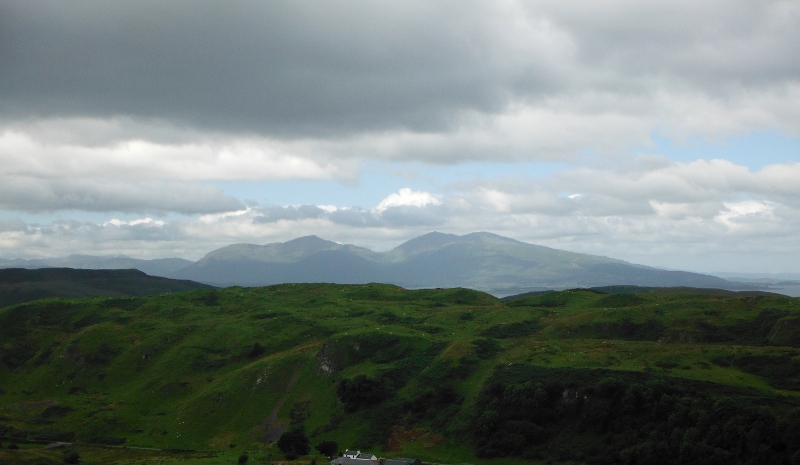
x: 482, y: 261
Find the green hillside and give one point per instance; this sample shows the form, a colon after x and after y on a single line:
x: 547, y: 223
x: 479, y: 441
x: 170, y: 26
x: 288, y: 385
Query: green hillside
x: 445, y: 375
x: 18, y: 285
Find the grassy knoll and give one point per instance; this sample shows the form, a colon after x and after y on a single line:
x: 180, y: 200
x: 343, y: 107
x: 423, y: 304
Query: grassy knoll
x: 446, y: 375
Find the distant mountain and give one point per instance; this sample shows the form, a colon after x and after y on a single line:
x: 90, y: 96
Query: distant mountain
x: 157, y: 267
x: 19, y: 285
x: 482, y: 261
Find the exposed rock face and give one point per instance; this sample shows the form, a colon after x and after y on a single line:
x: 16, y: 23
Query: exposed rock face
x: 325, y: 358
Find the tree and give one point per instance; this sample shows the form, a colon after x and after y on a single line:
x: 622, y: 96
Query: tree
x: 294, y: 443
x: 72, y: 457
x: 328, y: 448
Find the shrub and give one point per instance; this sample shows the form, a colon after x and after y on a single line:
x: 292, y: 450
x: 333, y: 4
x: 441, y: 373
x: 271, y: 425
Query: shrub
x: 294, y: 443
x: 328, y: 448
x: 257, y: 351
x: 13, y: 445
x: 72, y: 457
x: 243, y: 458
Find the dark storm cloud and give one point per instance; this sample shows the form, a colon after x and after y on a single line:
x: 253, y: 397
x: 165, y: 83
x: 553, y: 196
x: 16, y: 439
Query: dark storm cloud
x: 267, y: 67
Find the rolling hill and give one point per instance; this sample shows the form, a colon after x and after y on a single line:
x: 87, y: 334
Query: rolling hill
x: 481, y: 261
x: 19, y: 285
x: 156, y: 267
x: 447, y: 375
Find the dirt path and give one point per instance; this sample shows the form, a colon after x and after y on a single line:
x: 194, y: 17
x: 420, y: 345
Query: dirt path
x: 270, y: 430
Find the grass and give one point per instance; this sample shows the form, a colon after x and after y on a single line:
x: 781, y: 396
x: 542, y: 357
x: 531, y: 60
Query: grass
x: 206, y: 369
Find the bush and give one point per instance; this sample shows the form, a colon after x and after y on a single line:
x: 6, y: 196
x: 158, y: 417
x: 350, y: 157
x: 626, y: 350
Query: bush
x: 243, y: 458
x: 361, y: 391
x: 72, y: 457
x: 294, y: 443
x: 13, y: 445
x: 328, y: 448
x: 257, y: 351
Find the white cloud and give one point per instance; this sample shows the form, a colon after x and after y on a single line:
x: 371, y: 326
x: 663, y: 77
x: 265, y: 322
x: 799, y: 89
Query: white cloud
x: 619, y: 213
x: 407, y: 198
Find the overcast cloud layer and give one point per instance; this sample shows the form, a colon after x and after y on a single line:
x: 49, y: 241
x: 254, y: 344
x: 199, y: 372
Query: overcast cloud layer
x: 136, y: 111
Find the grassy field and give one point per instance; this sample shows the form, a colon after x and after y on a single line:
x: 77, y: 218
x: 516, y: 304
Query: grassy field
x: 398, y: 372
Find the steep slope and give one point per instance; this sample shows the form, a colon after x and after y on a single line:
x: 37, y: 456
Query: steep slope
x: 482, y: 261
x: 447, y: 376
x: 19, y: 285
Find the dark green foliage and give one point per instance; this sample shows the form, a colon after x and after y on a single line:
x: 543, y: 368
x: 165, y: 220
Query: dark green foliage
x: 20, y: 285
x: 486, y: 348
x: 243, y: 458
x: 437, y: 404
x: 466, y: 316
x: 269, y: 315
x: 294, y: 443
x: 460, y: 296
x: 388, y: 317
x: 256, y: 351
x: 108, y: 440
x: 625, y: 418
x: 328, y: 448
x: 55, y: 411
x: 361, y: 391
x: 208, y: 298
x: 13, y: 445
x: 72, y: 457
x: 781, y: 371
x: 619, y: 300
x: 512, y: 330
x: 300, y: 412
x: 128, y: 303
x: 626, y: 329
x: 666, y: 364
x: 751, y: 332
x: 51, y: 435
x: 545, y: 300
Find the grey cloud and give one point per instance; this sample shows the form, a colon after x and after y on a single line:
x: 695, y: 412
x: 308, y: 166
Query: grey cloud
x: 356, y: 217
x: 31, y: 194
x: 325, y: 68
x: 714, y: 43
x: 275, y: 67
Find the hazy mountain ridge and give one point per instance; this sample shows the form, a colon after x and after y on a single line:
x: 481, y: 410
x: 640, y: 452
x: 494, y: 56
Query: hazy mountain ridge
x: 482, y: 261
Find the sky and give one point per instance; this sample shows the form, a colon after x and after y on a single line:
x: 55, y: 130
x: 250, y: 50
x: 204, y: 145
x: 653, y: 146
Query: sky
x: 665, y: 133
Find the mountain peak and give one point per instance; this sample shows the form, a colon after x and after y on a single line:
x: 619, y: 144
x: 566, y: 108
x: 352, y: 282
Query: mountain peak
x: 430, y: 241
x: 305, y: 245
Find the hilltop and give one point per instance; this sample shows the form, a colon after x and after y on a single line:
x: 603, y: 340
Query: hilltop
x: 19, y: 285
x: 447, y: 375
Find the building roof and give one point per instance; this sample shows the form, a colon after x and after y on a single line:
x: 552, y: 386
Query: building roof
x: 349, y: 461
x: 402, y: 461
